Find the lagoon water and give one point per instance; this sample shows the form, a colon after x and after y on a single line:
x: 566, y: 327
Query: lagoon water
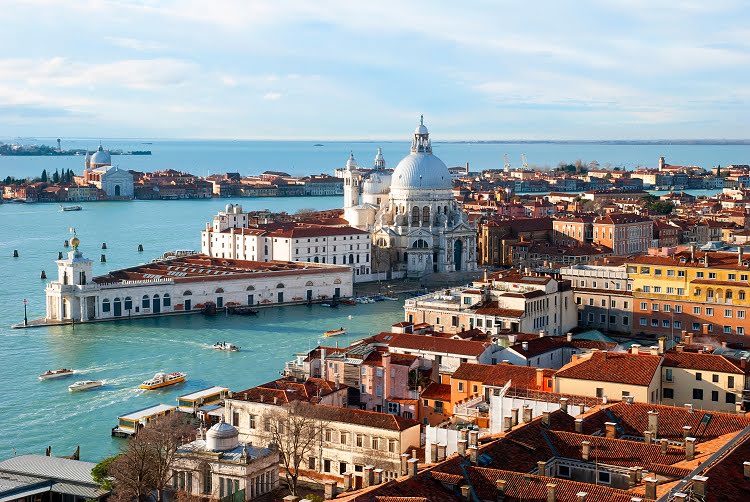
x: 36, y: 414
x: 303, y: 157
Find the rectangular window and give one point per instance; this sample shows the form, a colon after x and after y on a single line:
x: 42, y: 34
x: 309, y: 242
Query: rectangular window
x: 602, y: 318
x: 657, y: 271
x: 712, y: 275
x: 563, y: 471
x: 643, y: 321
x: 699, y: 376
x: 604, y: 477
x: 343, y: 438
x: 730, y: 382
x: 612, y: 319
x: 743, y: 277
x: 655, y: 323
x: 670, y: 291
x: 460, y: 386
x: 709, y: 311
x: 670, y: 273
x: 664, y: 323
x: 696, y: 310
x: 360, y: 440
x: 667, y: 308
x: 655, y: 307
x: 680, y: 273
x: 727, y: 330
x: 699, y: 275
x: 657, y: 289
x: 698, y: 394
x: 727, y: 312
x: 678, y: 324
x: 696, y: 326
x: 591, y: 317
x: 252, y: 421
x: 644, y: 306
x: 375, y: 443
x: 599, y: 392
x: 646, y: 289
x: 625, y: 320
x: 732, y: 277
x: 681, y: 291
x: 678, y: 309
x: 668, y: 375
x: 714, y: 395
x: 668, y: 393
x: 731, y: 398
x: 625, y: 305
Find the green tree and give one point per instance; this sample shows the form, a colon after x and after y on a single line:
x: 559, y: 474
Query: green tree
x: 44, y: 175
x: 100, y: 473
x: 56, y: 177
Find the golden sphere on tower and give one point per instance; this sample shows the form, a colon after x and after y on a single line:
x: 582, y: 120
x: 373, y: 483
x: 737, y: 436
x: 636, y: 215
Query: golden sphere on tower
x: 75, y: 241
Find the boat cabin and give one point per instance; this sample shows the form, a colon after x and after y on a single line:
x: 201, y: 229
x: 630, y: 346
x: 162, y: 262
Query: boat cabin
x: 131, y: 423
x: 190, y: 403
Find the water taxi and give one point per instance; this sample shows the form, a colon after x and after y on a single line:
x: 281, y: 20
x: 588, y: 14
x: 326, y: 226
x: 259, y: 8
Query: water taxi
x: 62, y: 372
x: 226, y: 346
x: 131, y: 423
x: 163, y: 380
x: 71, y: 208
x: 335, y: 332
x: 85, y: 385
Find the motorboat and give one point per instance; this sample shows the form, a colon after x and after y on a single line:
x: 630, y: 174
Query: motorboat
x: 390, y: 298
x: 226, y: 346
x: 49, y: 374
x: 163, y: 380
x: 331, y: 305
x: 348, y: 301
x: 242, y: 310
x: 335, y: 332
x: 85, y: 385
x: 378, y: 298
x: 71, y: 208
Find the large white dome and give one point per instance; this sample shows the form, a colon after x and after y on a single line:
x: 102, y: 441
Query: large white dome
x: 101, y: 157
x: 421, y: 171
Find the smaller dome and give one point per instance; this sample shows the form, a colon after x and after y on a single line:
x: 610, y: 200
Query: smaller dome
x: 351, y: 163
x: 101, y: 157
x: 421, y: 129
x: 222, y: 437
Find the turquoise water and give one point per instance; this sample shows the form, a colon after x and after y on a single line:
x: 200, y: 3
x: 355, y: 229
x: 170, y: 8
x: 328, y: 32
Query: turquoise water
x: 37, y: 414
x: 302, y: 157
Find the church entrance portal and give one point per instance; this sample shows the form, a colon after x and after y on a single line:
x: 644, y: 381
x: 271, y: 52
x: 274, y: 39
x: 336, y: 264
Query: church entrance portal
x: 458, y: 251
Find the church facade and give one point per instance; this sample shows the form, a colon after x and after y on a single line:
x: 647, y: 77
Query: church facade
x: 417, y: 227
x: 99, y: 171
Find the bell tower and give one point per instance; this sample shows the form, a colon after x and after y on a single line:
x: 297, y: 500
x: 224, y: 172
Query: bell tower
x: 75, y: 270
x: 352, y: 180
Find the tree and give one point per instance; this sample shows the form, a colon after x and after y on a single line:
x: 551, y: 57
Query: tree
x: 145, y: 465
x: 296, y: 431
x: 56, y: 177
x: 100, y: 473
x: 44, y: 176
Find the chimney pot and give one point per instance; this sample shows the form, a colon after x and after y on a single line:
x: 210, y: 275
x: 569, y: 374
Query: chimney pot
x: 347, y: 481
x: 689, y: 448
x: 564, y: 404
x: 633, y: 476
x: 474, y: 438
x: 500, y: 486
x: 473, y: 455
x: 545, y: 418
x: 527, y: 414
x: 465, y: 492
x: 441, y: 451
x: 686, y: 429
x: 507, y: 423
x: 433, y: 452
x: 647, y: 436
x: 664, y: 445
x: 699, y: 485
x: 461, y: 447
x: 378, y: 475
x: 653, y: 423
x: 680, y: 496
x: 404, y: 464
x: 329, y: 488
x: 541, y: 467
x: 651, y: 487
x: 551, y: 492
x: 579, y: 425
x: 368, y: 479
x: 514, y: 415
x: 611, y: 430
x: 746, y: 469
x: 413, y: 467
x: 635, y: 348
x: 569, y: 336
x: 581, y: 496
x: 585, y: 450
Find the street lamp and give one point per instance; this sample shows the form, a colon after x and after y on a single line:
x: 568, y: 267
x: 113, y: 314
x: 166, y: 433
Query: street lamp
x: 25, y: 317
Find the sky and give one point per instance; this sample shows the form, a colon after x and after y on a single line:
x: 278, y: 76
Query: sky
x: 329, y: 69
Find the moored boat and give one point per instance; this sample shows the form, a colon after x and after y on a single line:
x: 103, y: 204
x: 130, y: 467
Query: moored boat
x: 163, y: 380
x: 390, y: 298
x: 49, y: 374
x: 243, y: 310
x: 226, y: 346
x: 335, y: 332
x: 348, y: 301
x: 85, y: 385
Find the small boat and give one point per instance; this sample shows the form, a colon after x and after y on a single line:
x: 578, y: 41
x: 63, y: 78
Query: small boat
x: 348, y: 301
x: 71, y: 208
x: 335, y: 332
x: 226, y: 346
x: 390, y: 298
x: 242, y: 311
x: 85, y: 385
x: 62, y: 372
x: 331, y: 305
x: 162, y: 380
x: 378, y: 298
x: 318, y: 144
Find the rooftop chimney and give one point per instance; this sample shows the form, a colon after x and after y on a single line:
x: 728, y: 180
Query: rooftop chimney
x: 689, y: 448
x: 500, y: 485
x: 404, y: 465
x: 514, y: 416
x: 633, y: 476
x: 474, y: 438
x: 525, y: 346
x: 654, y: 350
x: 611, y: 429
x: 461, y: 447
x: 699, y: 485
x: 528, y: 413
x: 541, y: 468
x: 653, y: 423
x: 347, y: 481
x: 585, y: 449
x: 378, y: 475
x: 688, y: 338
x: 664, y: 445
x: 473, y: 455
x: 539, y: 378
x: 581, y: 496
x: 662, y: 344
x: 647, y: 436
x: 466, y: 492
x: 541, y: 333
x: 746, y: 469
x: 651, y: 487
x: 686, y: 429
x: 579, y: 425
x: 569, y: 336
x: 412, y: 467
x: 635, y: 349
x: 564, y: 404
x: 507, y: 423
x: 329, y: 489
x: 551, y: 492
x: 441, y: 450
x: 368, y: 479
x: 545, y: 418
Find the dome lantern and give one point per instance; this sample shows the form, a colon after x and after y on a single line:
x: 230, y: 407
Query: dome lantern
x: 421, y: 170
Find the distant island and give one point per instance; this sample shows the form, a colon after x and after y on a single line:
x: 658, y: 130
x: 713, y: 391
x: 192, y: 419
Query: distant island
x: 8, y: 150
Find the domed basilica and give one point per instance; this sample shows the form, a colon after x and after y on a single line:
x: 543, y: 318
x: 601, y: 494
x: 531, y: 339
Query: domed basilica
x: 416, y: 225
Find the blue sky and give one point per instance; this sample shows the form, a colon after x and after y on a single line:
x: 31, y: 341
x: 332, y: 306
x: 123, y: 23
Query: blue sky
x: 329, y: 69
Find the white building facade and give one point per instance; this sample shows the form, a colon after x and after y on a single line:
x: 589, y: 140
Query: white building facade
x: 416, y: 225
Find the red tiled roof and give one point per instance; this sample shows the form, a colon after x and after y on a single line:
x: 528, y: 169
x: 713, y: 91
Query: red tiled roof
x: 433, y: 344
x: 372, y: 419
x: 726, y: 480
x: 702, y: 361
x: 499, y: 374
x: 437, y: 391
x: 286, y: 390
x: 613, y: 367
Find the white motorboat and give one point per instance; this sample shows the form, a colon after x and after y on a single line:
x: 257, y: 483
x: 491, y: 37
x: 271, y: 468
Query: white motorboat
x: 49, y: 374
x: 85, y: 385
x: 226, y: 346
x: 163, y: 380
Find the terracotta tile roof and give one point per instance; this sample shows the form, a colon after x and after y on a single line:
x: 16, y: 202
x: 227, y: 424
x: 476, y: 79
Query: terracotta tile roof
x: 633, y: 418
x: 621, y: 219
x: 433, y: 344
x: 613, y: 367
x: 613, y: 451
x: 726, y: 480
x: 499, y: 374
x: 438, y: 391
x: 372, y: 419
x: 702, y: 361
x: 540, y: 345
x: 286, y: 390
x: 491, y: 308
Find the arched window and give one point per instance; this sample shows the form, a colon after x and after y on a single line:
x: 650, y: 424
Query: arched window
x: 729, y: 294
x: 351, y: 259
x: 167, y: 300
x: 426, y: 215
x: 445, y: 210
x: 280, y: 285
x: 128, y: 303
x: 419, y: 244
x: 219, y: 290
x: 105, y: 305
x: 710, y: 293
x: 316, y: 259
x: 337, y: 281
x: 697, y: 292
x: 145, y: 302
x: 156, y: 297
x: 187, y: 293
x: 741, y: 294
x: 415, y: 215
x: 250, y: 288
x: 309, y: 283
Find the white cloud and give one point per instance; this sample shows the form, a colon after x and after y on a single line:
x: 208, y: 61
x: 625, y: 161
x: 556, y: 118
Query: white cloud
x: 272, y: 96
x: 136, y: 44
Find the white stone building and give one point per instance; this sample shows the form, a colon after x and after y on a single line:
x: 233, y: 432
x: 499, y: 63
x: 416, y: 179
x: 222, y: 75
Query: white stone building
x: 216, y: 465
x: 416, y: 225
x: 186, y: 284
x: 99, y: 171
x: 229, y: 236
